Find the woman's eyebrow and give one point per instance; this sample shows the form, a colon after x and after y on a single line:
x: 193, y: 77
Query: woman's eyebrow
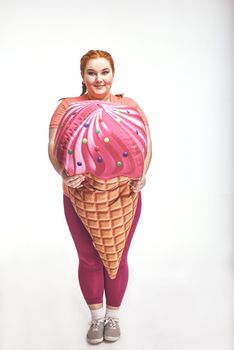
x: 93, y: 70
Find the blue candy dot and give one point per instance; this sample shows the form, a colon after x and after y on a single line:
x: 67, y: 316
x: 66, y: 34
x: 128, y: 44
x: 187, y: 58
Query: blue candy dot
x: 99, y: 159
x: 128, y: 112
x: 86, y: 125
x: 137, y: 132
x: 79, y: 163
x: 125, y: 154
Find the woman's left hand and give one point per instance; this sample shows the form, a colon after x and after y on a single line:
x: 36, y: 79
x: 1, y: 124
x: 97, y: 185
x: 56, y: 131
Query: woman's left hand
x: 137, y: 185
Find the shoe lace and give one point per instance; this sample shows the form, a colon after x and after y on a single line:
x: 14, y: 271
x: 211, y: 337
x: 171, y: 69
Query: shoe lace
x: 113, y: 323
x: 95, y: 324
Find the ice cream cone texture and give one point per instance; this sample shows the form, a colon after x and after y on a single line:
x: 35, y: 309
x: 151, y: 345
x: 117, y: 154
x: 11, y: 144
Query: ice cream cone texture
x: 106, y: 143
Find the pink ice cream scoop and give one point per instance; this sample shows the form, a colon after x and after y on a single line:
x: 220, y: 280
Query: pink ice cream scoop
x: 101, y: 138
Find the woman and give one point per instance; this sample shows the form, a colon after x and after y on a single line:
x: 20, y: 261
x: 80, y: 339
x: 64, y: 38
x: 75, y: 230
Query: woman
x: 97, y: 71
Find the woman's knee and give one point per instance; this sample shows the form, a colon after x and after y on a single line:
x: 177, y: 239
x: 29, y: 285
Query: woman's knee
x: 90, y: 262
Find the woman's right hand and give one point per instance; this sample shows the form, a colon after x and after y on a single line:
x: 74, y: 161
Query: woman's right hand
x: 72, y: 181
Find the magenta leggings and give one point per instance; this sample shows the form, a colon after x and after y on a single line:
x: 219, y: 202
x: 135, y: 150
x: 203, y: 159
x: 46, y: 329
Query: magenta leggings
x: 92, y: 275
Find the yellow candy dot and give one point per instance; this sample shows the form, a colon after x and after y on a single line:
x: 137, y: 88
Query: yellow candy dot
x: 106, y: 139
x: 84, y: 140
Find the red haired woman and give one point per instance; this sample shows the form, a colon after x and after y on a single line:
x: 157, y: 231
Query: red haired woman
x: 97, y: 71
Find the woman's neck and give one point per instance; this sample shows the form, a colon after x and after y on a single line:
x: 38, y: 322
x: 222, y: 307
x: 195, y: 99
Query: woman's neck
x: 106, y: 98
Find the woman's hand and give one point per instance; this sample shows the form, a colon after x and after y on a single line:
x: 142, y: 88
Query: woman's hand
x: 137, y: 185
x: 72, y: 181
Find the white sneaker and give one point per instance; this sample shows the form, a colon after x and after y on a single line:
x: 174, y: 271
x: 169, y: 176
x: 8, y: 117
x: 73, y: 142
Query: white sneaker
x: 111, y: 329
x: 95, y: 332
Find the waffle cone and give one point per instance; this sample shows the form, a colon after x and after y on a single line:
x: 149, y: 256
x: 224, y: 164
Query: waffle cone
x: 106, y: 208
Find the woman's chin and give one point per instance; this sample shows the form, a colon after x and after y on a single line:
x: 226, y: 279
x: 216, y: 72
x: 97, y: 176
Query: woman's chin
x: 99, y: 94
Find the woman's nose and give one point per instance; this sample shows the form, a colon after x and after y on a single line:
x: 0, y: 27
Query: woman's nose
x: 99, y: 77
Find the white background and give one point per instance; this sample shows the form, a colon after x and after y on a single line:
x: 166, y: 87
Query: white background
x: 174, y: 58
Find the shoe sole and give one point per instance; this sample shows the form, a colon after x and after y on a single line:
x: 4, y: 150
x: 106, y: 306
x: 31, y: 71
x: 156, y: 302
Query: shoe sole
x: 111, y: 339
x: 95, y: 341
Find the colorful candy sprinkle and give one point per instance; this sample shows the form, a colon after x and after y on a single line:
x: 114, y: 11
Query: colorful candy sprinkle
x: 125, y: 154
x: 97, y: 131
x: 119, y: 163
x: 79, y: 163
x: 69, y: 151
x: 96, y: 148
x: 86, y: 125
x: 99, y: 159
x: 84, y: 140
x: 106, y: 139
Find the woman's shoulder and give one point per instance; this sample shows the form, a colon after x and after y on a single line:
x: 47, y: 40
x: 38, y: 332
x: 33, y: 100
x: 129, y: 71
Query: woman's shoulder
x: 125, y: 100
x: 64, y: 103
x: 128, y: 101
x: 68, y: 100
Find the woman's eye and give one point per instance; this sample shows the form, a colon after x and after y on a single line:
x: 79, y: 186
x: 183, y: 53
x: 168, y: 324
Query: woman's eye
x: 105, y: 72
x: 91, y: 73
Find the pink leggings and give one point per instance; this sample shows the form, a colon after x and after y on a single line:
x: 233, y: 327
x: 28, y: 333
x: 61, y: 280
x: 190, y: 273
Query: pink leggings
x: 92, y: 275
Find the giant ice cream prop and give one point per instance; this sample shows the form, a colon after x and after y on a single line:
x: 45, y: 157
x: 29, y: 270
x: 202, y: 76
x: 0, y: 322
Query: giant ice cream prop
x: 107, y: 143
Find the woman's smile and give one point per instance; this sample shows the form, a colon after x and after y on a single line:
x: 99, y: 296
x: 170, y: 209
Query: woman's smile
x: 99, y: 87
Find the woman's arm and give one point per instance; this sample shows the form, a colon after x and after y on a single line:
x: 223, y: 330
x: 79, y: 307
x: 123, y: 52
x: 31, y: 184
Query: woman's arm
x: 149, y: 151
x: 55, y: 163
x: 137, y: 185
x: 72, y: 181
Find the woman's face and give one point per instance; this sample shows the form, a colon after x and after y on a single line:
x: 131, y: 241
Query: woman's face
x: 98, y: 77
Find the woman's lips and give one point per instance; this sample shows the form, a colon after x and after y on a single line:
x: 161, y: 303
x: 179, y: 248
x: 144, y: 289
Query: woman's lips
x: 99, y: 86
